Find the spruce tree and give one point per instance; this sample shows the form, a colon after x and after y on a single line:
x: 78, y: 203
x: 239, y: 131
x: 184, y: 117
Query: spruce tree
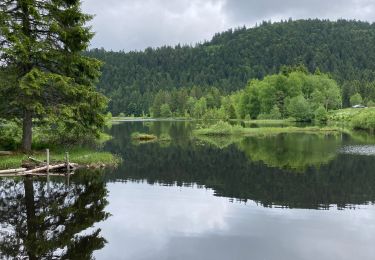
x: 44, y: 73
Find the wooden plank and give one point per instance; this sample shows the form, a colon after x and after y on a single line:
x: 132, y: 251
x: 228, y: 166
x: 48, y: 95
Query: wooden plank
x: 45, y: 168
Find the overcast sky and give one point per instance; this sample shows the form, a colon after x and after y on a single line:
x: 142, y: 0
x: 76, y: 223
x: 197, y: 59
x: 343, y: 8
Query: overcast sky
x: 138, y: 24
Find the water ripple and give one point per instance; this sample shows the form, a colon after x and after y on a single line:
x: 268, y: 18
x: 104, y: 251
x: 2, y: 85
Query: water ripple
x: 359, y: 149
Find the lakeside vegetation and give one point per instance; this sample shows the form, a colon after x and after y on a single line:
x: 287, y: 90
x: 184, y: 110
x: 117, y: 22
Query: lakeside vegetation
x: 360, y: 119
x: 85, y: 157
x: 224, y: 129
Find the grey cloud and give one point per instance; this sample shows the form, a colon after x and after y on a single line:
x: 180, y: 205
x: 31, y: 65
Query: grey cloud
x: 137, y: 24
x: 246, y: 11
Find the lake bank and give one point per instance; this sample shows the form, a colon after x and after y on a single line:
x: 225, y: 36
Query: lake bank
x: 84, y: 157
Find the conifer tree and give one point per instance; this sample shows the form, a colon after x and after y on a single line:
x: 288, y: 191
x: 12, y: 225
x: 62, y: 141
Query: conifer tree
x: 43, y: 71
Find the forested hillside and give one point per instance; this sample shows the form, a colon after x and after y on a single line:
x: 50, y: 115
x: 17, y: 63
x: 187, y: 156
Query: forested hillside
x: 344, y: 49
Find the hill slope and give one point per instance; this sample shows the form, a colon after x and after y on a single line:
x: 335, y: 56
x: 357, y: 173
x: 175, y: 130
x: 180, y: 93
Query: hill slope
x: 346, y: 49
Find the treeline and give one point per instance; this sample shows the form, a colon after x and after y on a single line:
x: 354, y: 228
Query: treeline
x: 292, y: 93
x: 344, y: 49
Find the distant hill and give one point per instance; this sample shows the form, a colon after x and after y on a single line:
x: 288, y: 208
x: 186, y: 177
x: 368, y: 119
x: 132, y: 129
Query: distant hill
x: 346, y: 49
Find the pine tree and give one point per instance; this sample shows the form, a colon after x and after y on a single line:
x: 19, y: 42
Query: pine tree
x: 41, y: 44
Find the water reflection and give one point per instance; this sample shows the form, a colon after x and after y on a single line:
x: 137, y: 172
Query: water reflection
x: 257, y: 169
x: 163, y: 222
x: 41, y: 223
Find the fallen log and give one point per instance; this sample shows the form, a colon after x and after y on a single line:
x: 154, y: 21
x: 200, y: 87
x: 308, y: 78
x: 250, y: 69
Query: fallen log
x: 50, y: 167
x: 19, y: 170
x: 34, y: 174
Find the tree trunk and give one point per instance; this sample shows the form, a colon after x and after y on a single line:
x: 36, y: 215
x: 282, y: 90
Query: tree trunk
x: 27, y: 131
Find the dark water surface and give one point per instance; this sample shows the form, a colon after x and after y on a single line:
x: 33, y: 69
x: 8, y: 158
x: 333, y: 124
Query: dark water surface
x: 290, y: 196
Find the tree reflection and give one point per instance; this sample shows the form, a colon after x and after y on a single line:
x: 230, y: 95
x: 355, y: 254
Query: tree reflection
x: 41, y: 223
x: 258, y: 169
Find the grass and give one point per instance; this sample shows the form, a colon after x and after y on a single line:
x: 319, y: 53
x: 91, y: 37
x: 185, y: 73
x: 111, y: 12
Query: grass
x: 267, y: 121
x: 143, y: 137
x: 225, y: 129
x: 82, y: 156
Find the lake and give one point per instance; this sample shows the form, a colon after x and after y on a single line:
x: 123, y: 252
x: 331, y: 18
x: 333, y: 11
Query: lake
x: 289, y: 196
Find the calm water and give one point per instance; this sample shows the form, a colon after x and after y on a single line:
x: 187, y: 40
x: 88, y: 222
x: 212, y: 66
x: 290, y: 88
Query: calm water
x: 291, y: 196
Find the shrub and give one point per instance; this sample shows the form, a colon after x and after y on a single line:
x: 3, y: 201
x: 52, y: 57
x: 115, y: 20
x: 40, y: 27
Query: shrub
x: 321, y: 114
x: 356, y: 99
x: 299, y: 108
x: 165, y: 111
x: 275, y: 113
x: 364, y: 120
x: 10, y: 135
x: 371, y: 103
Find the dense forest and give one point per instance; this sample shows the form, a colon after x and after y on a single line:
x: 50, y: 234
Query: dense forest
x: 343, y: 49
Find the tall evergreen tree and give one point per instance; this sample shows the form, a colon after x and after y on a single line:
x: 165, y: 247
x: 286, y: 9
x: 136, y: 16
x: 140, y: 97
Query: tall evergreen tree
x: 44, y: 73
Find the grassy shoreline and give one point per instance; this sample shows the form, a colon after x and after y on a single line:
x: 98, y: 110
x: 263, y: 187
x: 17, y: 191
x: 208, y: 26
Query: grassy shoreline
x: 225, y: 129
x: 84, y: 157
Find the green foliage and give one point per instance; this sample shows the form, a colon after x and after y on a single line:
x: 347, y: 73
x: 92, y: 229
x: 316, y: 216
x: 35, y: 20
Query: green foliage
x: 81, y: 155
x: 143, y: 137
x: 223, y: 128
x: 371, y: 103
x: 57, y: 82
x: 320, y: 114
x: 299, y: 108
x: 275, y: 112
x: 270, y: 97
x: 364, y: 120
x: 356, y: 99
x: 200, y: 108
x: 165, y: 111
x: 10, y: 135
x: 215, y: 113
x: 343, y: 49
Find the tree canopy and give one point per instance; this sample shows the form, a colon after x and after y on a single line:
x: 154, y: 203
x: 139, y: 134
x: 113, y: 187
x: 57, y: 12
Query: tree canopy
x: 43, y: 72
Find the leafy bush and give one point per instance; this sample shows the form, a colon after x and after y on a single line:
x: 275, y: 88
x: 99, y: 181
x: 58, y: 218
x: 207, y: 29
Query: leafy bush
x: 356, y: 99
x: 364, y: 120
x: 215, y: 113
x: 10, y: 135
x: 165, y: 111
x: 320, y: 114
x: 371, y: 103
x: 299, y: 108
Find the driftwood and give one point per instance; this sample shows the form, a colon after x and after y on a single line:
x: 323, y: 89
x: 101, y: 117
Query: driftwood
x: 13, y: 171
x: 49, y: 167
x: 34, y: 174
